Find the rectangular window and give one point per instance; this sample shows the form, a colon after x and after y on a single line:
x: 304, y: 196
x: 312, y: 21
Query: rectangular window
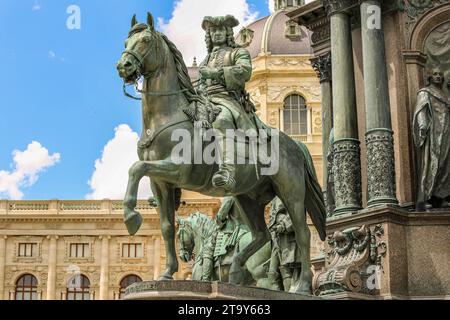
x: 27, y: 249
x: 79, y: 250
x: 293, y: 30
x: 132, y: 250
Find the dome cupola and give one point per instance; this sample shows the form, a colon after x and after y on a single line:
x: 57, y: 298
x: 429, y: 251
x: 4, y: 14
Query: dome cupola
x: 287, y: 4
x: 276, y: 34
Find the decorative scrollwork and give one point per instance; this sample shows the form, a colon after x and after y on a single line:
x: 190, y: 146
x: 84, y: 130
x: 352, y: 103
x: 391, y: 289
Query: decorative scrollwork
x: 350, y: 253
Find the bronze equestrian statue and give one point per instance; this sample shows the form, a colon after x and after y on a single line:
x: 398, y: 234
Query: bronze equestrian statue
x: 170, y: 102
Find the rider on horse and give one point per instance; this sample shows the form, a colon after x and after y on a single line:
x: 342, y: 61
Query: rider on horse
x: 223, y: 75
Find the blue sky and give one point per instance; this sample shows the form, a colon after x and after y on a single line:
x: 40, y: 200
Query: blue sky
x: 59, y: 87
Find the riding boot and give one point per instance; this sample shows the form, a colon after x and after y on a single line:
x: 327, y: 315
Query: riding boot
x: 274, y: 280
x: 225, y: 176
x: 286, y: 275
x: 207, y: 270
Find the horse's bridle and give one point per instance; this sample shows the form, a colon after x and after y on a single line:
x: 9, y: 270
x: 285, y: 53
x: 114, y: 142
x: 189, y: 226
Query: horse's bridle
x: 141, y: 59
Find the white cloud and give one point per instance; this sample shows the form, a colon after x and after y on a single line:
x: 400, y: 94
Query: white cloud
x: 109, y: 180
x: 271, y: 5
x: 36, y: 7
x: 26, y: 168
x: 184, y: 28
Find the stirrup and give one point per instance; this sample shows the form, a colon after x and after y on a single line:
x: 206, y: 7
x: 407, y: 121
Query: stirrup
x: 227, y: 176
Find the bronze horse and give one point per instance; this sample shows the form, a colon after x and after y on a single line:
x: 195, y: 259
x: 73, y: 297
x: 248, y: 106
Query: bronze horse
x: 167, y: 89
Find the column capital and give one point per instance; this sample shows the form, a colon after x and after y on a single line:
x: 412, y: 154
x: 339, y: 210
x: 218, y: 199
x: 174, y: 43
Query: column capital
x: 322, y: 66
x: 338, y: 6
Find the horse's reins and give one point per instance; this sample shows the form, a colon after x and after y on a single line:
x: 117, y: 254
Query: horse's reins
x: 141, y: 60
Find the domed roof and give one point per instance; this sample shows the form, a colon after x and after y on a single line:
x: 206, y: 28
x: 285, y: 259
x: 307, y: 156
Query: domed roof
x: 275, y: 34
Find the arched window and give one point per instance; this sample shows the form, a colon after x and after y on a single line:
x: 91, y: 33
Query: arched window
x: 295, y: 115
x: 78, y: 288
x: 26, y: 288
x: 128, y: 281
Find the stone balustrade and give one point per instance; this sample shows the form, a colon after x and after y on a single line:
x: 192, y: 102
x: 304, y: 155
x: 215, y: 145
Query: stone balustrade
x: 20, y: 207
x: 67, y: 206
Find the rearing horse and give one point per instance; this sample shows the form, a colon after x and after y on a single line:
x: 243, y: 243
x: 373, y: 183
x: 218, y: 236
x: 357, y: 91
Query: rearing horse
x: 167, y: 90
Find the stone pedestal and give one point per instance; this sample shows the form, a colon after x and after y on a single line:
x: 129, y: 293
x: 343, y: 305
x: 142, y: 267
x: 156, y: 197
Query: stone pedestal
x: 387, y: 253
x: 196, y: 290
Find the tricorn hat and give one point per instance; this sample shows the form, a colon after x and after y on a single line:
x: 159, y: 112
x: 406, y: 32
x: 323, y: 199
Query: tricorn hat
x: 228, y: 21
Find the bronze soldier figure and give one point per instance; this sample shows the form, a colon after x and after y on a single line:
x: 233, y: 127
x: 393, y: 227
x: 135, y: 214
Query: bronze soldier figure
x: 285, y: 260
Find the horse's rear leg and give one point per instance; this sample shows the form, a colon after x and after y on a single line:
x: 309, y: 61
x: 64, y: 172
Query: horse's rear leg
x: 253, y: 216
x: 153, y: 169
x: 165, y: 194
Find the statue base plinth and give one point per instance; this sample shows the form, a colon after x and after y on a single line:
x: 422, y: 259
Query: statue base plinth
x: 196, y: 290
x: 386, y: 253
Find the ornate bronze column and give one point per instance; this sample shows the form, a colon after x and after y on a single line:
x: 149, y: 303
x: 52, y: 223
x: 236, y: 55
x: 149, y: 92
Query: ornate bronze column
x: 379, y: 135
x: 346, y: 147
x: 322, y: 66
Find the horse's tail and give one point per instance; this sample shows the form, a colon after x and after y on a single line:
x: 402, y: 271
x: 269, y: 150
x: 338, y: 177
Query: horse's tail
x: 314, y: 201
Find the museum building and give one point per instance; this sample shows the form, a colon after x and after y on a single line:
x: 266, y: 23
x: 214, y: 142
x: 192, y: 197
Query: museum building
x: 80, y: 250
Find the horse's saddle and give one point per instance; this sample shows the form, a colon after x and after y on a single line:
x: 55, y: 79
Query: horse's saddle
x: 202, y: 114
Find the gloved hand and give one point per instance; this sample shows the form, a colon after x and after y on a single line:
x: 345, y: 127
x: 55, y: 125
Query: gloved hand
x: 210, y: 73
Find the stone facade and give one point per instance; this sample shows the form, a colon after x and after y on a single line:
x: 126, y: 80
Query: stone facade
x: 275, y: 77
x: 55, y: 228
x: 56, y: 225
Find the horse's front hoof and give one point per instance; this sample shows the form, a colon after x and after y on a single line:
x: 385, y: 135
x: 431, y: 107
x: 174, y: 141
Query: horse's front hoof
x: 133, y: 222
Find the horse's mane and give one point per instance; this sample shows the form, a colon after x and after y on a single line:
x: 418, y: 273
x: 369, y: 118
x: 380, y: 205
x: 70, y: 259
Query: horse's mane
x: 205, y: 224
x: 183, y: 76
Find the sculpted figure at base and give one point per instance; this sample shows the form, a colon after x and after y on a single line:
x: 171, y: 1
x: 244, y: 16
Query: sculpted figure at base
x: 214, y: 243
x: 285, y: 264
x: 432, y: 139
x: 168, y: 98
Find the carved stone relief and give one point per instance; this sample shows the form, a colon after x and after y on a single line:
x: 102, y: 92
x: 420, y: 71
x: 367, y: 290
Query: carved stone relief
x: 354, y: 255
x: 311, y: 92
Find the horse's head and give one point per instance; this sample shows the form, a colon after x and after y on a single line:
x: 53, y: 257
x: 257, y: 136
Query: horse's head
x: 141, y: 51
x: 186, y: 239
